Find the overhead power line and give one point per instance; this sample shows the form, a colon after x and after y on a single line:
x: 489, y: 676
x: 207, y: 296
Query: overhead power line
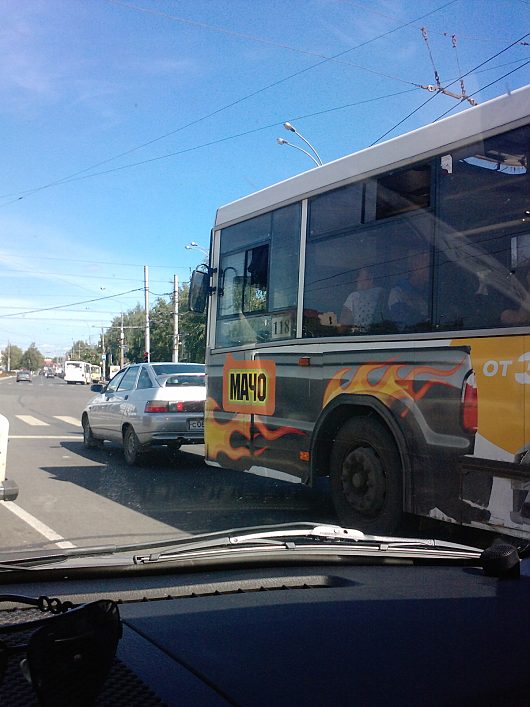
x: 438, y: 88
x: 221, y: 109
x: 482, y: 89
x: 72, y: 304
x: 260, y: 40
x: 210, y: 143
x: 494, y: 56
x: 487, y: 39
x: 95, y: 262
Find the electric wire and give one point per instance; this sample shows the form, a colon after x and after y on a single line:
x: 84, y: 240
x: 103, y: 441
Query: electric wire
x: 259, y: 40
x: 226, y: 138
x: 483, y: 88
x: 494, y: 56
x: 73, y: 304
x: 369, y: 8
x: 244, y: 134
x: 223, y: 108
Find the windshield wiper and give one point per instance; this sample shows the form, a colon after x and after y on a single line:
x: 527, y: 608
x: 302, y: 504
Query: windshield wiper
x: 316, y: 539
x: 28, y: 559
x: 303, y: 537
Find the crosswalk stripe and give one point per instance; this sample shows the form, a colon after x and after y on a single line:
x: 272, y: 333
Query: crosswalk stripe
x: 33, y: 421
x: 70, y: 420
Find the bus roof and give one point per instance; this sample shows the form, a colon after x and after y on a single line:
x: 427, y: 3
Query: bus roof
x: 422, y: 143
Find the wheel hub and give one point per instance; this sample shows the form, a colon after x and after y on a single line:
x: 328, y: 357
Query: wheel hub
x: 363, y: 481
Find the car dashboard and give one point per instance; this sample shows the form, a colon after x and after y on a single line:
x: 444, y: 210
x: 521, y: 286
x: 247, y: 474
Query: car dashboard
x: 399, y: 634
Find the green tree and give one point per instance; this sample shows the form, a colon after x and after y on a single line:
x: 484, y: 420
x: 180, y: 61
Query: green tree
x: 14, y: 354
x: 83, y: 351
x: 161, y: 330
x: 134, y: 336
x: 192, y: 328
x: 192, y: 334
x: 32, y: 358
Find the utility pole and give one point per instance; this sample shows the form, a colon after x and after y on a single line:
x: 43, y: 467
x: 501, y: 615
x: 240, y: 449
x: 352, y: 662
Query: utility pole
x: 122, y: 337
x: 103, y: 354
x: 175, y: 318
x: 147, y: 330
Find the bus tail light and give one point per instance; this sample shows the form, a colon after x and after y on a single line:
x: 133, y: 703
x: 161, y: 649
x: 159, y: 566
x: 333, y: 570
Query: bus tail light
x: 470, y: 404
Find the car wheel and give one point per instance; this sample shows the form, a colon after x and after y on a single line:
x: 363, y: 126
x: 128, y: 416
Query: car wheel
x: 366, y: 477
x: 131, y: 446
x: 88, y: 437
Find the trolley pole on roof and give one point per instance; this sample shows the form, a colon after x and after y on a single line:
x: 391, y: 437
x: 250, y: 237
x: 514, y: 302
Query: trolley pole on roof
x: 147, y: 355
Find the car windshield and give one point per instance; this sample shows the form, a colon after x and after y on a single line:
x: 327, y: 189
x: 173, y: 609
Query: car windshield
x: 347, y: 186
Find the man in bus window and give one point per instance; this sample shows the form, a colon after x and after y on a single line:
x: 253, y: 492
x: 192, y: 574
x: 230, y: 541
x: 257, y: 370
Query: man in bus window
x: 408, y: 299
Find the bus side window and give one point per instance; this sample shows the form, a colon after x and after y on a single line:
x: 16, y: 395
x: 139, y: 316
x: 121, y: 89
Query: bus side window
x: 481, y: 202
x: 403, y: 191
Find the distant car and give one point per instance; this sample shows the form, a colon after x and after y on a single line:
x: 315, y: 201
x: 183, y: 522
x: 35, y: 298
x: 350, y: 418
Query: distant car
x: 48, y: 373
x: 148, y: 404
x: 23, y: 376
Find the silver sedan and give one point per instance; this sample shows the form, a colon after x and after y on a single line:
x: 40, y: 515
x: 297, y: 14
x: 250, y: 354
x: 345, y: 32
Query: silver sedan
x: 148, y: 404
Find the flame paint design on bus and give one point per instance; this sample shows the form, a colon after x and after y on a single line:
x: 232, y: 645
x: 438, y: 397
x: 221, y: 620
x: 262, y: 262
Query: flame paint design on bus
x: 219, y: 434
x: 399, y: 382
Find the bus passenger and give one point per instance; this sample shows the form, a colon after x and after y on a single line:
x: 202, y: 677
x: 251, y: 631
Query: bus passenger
x: 520, y: 316
x: 363, y: 306
x: 408, y: 300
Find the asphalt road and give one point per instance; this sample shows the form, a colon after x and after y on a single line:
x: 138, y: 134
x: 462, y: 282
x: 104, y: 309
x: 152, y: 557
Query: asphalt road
x: 70, y: 496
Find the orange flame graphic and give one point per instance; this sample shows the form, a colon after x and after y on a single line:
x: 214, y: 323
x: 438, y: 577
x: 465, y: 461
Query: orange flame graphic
x: 396, y: 381
x: 219, y: 434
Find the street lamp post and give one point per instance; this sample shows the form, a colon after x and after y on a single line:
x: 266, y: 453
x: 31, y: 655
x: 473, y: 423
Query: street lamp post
x: 192, y: 245
x: 281, y: 141
x: 315, y: 156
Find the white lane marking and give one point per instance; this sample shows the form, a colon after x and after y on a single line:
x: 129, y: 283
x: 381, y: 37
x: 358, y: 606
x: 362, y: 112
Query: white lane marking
x: 30, y: 420
x: 70, y: 420
x: 44, y: 437
x: 38, y: 525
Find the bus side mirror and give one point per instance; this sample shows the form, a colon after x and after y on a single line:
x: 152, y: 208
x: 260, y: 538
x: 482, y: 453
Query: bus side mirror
x: 199, y: 290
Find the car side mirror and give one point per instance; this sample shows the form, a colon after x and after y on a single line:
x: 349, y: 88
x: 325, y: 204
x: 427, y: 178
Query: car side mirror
x: 97, y: 387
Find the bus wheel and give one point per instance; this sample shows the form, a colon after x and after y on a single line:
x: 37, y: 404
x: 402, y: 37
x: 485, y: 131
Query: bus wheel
x: 366, y: 477
x: 131, y: 446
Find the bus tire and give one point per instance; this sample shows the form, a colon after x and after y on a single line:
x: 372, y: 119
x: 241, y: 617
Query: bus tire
x: 131, y: 446
x: 366, y: 477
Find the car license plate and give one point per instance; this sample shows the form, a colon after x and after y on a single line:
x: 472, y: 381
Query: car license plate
x: 195, y: 424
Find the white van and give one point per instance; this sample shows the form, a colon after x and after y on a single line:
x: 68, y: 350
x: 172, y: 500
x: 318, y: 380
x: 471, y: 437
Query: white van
x: 77, y: 372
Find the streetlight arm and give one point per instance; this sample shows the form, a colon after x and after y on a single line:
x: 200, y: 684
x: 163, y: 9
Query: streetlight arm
x: 192, y: 245
x: 281, y: 141
x: 292, y: 129
x: 318, y: 159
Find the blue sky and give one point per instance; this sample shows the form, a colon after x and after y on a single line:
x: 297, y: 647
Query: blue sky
x: 126, y: 124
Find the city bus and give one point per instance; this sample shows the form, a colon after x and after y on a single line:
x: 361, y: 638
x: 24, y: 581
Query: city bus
x: 369, y: 321
x: 77, y: 372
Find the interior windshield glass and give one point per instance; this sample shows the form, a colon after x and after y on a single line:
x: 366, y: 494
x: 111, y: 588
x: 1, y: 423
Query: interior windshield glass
x: 350, y: 183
